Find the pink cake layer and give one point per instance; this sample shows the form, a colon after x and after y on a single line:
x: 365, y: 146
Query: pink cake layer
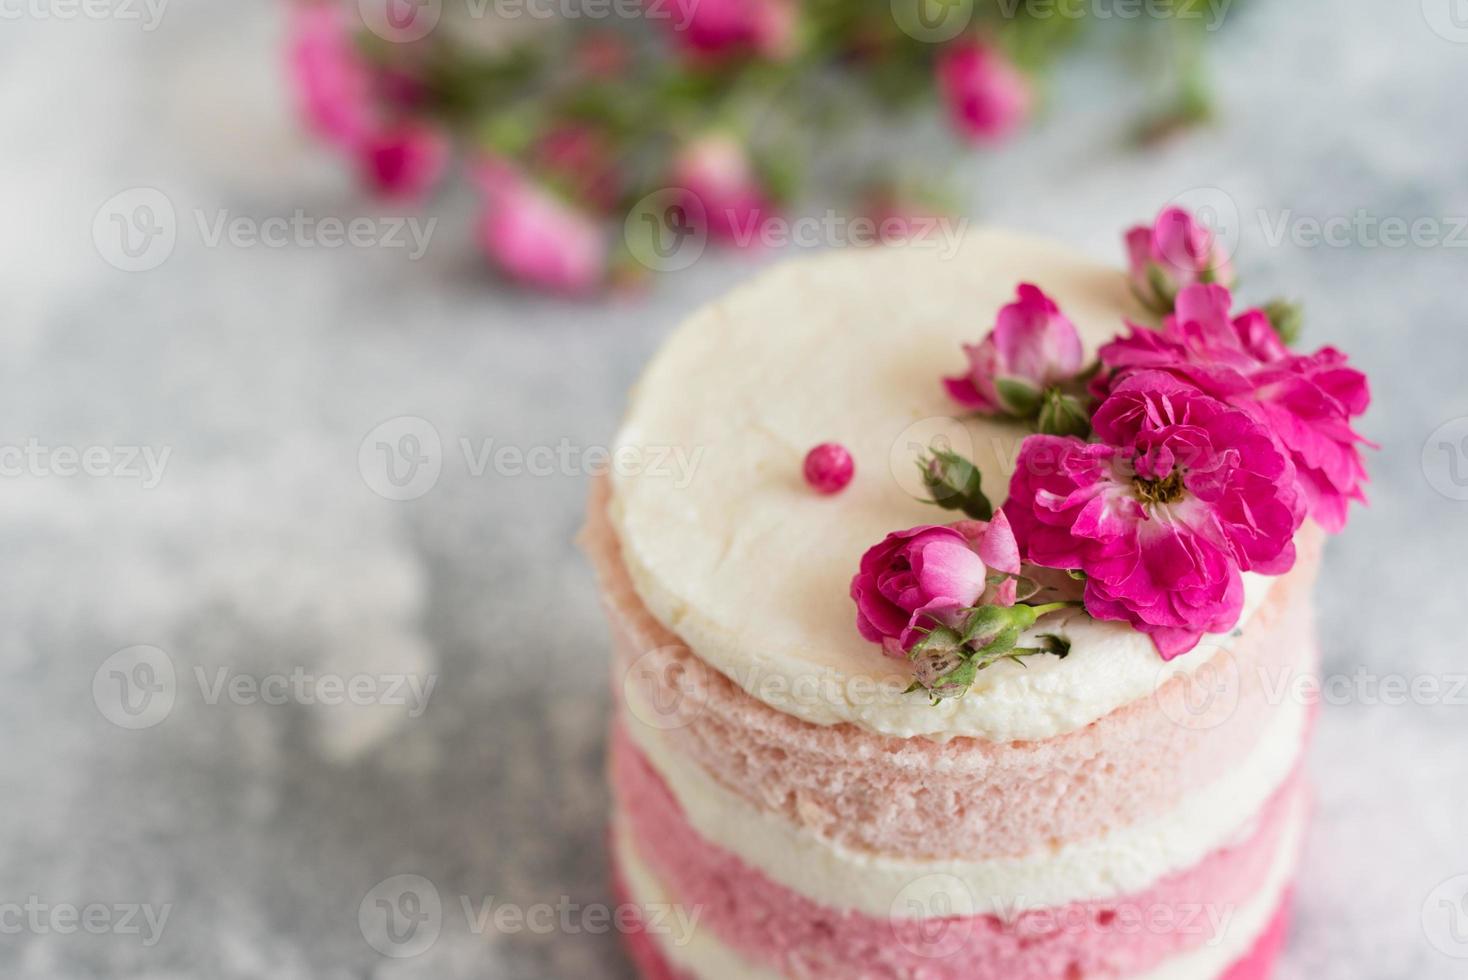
x: 771, y: 925
x: 1257, y: 964
x: 642, y: 948
x: 966, y: 797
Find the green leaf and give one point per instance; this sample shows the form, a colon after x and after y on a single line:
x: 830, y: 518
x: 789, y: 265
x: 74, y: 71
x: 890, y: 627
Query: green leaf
x: 1056, y: 644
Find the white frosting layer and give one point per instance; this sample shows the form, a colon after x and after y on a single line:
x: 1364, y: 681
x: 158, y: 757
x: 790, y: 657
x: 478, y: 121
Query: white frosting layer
x: 703, y: 955
x: 730, y: 549
x: 1124, y: 862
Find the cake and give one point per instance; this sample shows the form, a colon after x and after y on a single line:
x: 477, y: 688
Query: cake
x: 1115, y: 802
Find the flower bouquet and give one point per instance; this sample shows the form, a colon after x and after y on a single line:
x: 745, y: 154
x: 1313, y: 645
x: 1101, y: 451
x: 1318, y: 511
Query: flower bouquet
x: 1182, y: 457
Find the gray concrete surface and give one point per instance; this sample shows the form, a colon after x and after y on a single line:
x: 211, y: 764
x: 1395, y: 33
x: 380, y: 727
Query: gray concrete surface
x: 261, y: 549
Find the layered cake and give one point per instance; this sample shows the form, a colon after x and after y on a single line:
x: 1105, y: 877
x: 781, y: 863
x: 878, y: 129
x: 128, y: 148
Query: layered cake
x: 1045, y: 732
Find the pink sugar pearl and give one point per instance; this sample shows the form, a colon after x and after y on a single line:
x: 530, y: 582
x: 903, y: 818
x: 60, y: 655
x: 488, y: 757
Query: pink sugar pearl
x: 829, y: 467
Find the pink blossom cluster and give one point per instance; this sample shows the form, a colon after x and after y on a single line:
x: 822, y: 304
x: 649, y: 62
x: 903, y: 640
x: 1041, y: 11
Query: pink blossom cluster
x: 1305, y: 401
x: 1210, y: 442
x: 554, y: 184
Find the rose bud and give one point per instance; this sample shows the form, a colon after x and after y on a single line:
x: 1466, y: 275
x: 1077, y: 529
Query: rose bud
x: 955, y: 484
x: 1064, y: 415
x: 1032, y: 347
x: 941, y: 665
x: 1175, y: 252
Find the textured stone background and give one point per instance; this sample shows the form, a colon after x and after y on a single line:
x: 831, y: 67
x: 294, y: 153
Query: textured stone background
x: 263, y: 549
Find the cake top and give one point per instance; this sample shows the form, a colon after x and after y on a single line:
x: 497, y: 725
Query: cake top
x: 1159, y: 451
x: 730, y: 548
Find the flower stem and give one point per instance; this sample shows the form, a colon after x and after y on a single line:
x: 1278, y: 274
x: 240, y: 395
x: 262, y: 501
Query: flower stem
x: 1051, y: 607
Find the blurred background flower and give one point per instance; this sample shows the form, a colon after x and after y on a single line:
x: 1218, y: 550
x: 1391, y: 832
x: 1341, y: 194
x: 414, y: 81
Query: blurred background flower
x: 728, y: 105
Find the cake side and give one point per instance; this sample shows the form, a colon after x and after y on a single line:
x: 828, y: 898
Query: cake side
x: 785, y: 887
x: 1061, y: 738
x: 1248, y: 952
x: 1220, y: 752
x: 1191, y: 924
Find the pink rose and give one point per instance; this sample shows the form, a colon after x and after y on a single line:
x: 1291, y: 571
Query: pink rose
x: 534, y: 237
x: 1032, y: 347
x: 403, y: 162
x: 719, y: 180
x: 1181, y: 494
x: 333, y: 85
x: 929, y: 575
x: 713, y: 31
x: 1306, y: 401
x: 987, y: 97
x: 1174, y: 253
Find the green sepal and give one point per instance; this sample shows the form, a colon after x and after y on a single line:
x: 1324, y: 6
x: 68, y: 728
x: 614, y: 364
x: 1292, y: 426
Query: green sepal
x: 1164, y: 296
x: 1025, y: 588
x: 1063, y: 415
x: 1018, y: 397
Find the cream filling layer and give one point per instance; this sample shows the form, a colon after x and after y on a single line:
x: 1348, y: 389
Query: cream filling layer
x: 729, y: 549
x: 702, y: 955
x: 1126, y: 861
